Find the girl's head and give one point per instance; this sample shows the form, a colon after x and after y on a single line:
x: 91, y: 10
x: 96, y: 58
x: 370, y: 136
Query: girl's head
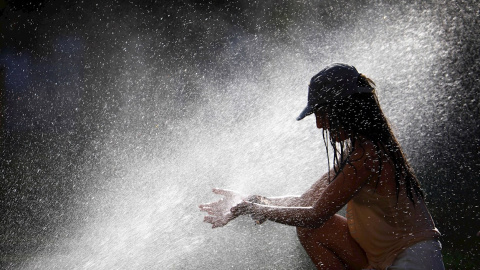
x: 332, y: 84
x: 354, y: 116
x: 345, y: 104
x: 347, y: 109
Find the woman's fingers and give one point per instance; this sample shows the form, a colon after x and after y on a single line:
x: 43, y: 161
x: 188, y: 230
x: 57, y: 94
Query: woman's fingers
x: 212, y: 210
x: 228, y: 193
x: 217, y: 221
x: 209, y: 211
x: 208, y: 219
x: 206, y: 207
x: 212, y: 219
x: 220, y: 191
x: 216, y: 204
x: 209, y: 205
x: 219, y: 224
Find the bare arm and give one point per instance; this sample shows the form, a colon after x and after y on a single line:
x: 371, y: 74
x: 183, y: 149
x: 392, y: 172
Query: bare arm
x: 219, y: 213
x: 306, y: 199
x: 332, y: 199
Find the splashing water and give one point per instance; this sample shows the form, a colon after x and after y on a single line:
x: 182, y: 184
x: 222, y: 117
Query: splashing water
x: 163, y: 153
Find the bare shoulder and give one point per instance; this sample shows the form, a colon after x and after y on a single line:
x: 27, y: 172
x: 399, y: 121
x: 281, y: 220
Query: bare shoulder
x: 365, y: 160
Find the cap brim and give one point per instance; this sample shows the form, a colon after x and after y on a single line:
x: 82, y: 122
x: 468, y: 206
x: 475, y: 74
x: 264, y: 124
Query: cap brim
x: 311, y: 108
x: 306, y: 112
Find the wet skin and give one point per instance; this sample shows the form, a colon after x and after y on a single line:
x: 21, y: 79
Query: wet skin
x: 322, y: 122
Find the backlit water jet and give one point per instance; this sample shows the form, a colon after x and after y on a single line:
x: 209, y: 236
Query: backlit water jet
x: 229, y: 122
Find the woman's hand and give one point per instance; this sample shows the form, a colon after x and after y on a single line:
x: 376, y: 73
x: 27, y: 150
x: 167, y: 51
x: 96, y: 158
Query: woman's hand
x: 219, y: 211
x: 248, y: 208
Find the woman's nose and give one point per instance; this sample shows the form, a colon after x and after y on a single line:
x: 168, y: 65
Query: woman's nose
x: 319, y: 122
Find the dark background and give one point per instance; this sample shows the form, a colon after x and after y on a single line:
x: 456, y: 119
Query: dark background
x: 57, y: 101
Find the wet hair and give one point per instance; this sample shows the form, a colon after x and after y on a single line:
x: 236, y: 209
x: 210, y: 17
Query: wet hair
x: 360, y: 115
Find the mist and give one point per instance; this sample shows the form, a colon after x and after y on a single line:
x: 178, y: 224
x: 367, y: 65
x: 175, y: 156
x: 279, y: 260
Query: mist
x: 119, y: 118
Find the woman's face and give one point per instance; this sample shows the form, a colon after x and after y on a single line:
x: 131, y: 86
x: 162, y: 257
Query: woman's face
x: 321, y: 119
x: 322, y: 122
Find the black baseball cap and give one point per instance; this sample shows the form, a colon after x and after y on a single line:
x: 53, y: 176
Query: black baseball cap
x: 332, y: 83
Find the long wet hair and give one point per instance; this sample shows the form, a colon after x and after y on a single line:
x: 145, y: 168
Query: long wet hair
x: 360, y: 115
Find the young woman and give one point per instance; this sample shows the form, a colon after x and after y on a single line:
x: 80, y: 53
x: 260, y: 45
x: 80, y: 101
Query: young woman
x: 387, y: 224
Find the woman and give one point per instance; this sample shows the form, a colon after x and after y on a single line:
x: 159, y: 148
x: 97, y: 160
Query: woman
x: 387, y: 224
